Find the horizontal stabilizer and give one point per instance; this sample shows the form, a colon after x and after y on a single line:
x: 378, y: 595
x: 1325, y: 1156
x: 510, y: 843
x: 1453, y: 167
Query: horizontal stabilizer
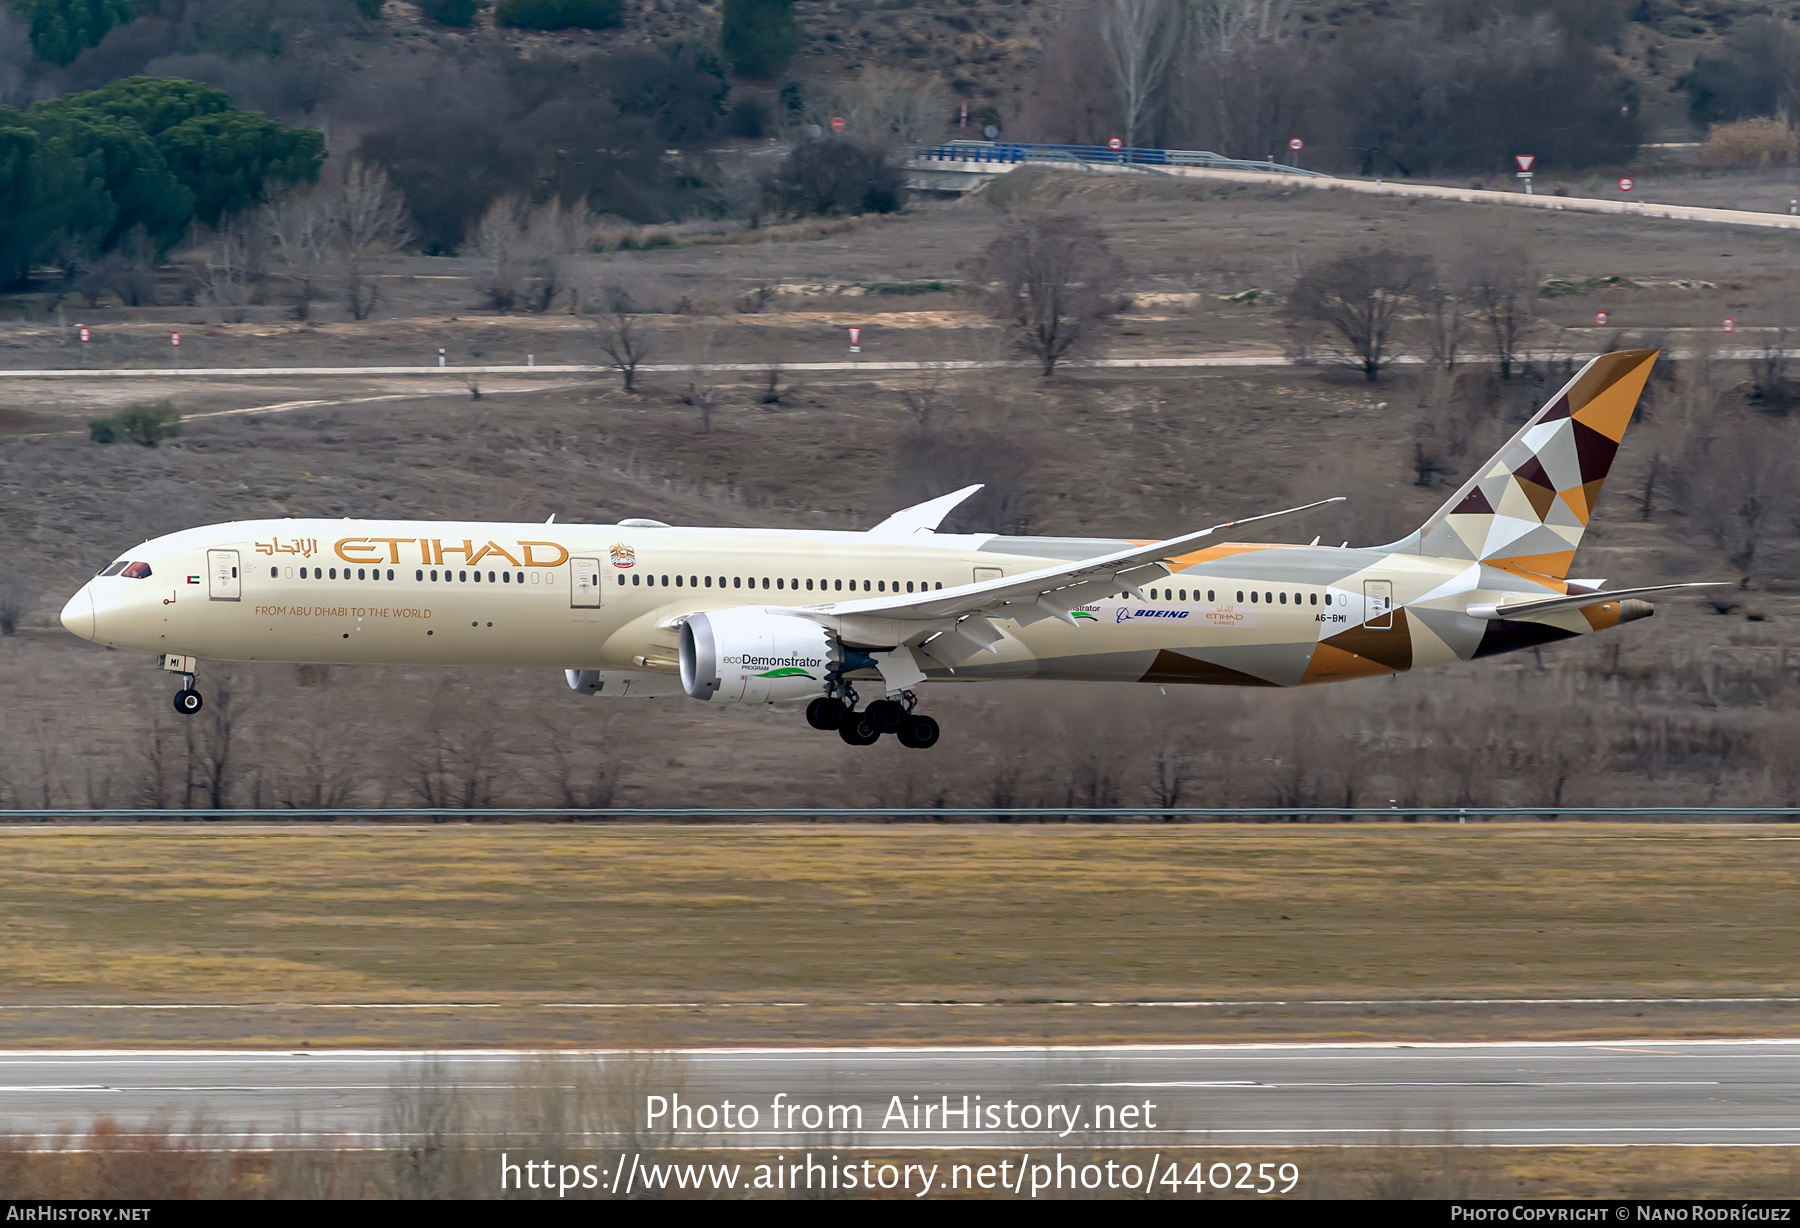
x: 1524, y: 611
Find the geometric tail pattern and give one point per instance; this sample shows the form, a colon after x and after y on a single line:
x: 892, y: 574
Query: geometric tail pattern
x: 1526, y: 509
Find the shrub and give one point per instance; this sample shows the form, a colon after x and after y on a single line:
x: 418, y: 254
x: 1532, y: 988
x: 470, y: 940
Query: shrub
x: 146, y: 423
x: 560, y: 14
x: 1750, y: 142
x: 749, y: 117
x: 457, y: 13
x: 835, y: 177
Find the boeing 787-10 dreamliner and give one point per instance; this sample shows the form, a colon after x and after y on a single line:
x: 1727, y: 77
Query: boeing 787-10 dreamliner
x: 762, y: 616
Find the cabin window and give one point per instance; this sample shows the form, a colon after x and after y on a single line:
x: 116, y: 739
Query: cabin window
x: 1327, y: 598
x: 506, y: 577
x: 677, y: 581
x: 840, y: 586
x: 809, y: 586
x: 634, y: 580
x: 1284, y: 599
x: 737, y: 582
x: 274, y: 573
x: 709, y: 582
x: 1209, y: 594
x: 765, y: 581
x: 621, y: 579
x: 1268, y: 596
x: 779, y: 583
x: 940, y: 584
x: 1253, y: 596
x: 463, y: 576
x: 665, y: 582
x: 419, y: 574
x: 1315, y: 599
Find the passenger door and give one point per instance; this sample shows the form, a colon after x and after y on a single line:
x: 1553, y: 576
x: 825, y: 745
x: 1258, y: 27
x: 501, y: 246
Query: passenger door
x: 1378, y: 605
x: 584, y: 584
x: 222, y: 581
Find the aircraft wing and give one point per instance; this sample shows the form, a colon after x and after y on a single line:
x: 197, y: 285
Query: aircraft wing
x: 959, y: 615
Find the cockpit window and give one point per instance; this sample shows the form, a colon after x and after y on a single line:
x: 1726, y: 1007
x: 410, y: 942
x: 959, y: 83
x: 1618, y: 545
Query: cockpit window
x: 136, y: 571
x: 115, y: 569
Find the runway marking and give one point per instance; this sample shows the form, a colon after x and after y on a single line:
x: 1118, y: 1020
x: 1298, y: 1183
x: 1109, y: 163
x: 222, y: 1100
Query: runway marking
x: 1425, y: 1049
x: 1420, y: 1083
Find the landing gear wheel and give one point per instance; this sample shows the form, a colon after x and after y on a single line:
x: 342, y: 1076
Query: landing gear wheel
x: 188, y: 701
x: 919, y: 732
x: 826, y: 713
x: 859, y: 730
x: 886, y: 715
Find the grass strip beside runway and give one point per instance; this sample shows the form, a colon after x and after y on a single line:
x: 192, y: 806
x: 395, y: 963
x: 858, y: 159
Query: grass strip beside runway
x: 545, y: 935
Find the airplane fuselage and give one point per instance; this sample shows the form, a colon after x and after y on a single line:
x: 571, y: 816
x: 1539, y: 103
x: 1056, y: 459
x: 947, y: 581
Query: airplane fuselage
x: 612, y: 598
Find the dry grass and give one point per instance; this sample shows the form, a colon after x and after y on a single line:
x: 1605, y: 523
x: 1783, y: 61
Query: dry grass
x: 1035, y: 924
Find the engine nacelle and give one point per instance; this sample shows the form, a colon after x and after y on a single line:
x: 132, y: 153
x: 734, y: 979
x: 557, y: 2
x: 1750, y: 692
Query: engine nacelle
x: 753, y: 657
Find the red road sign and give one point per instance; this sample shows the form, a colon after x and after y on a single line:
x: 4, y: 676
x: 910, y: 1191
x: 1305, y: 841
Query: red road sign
x: 837, y: 123
x: 1600, y: 319
x: 175, y: 338
x: 1115, y: 143
x: 1525, y: 161
x: 1296, y: 144
x: 1625, y: 184
x: 85, y: 335
x: 1730, y: 325
x: 855, y: 339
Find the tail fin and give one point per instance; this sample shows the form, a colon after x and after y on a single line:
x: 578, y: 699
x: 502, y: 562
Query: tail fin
x: 1525, y: 510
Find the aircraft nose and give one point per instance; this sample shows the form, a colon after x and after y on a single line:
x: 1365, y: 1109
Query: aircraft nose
x: 78, y: 615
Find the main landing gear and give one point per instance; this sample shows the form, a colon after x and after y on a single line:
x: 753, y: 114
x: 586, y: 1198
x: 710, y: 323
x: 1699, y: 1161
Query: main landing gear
x: 866, y: 727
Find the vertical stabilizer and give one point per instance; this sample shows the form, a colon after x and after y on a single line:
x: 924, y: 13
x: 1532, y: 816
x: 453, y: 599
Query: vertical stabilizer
x: 1526, y: 509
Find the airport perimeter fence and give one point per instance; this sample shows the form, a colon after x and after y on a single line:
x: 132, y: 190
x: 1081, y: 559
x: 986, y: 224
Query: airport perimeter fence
x: 920, y: 814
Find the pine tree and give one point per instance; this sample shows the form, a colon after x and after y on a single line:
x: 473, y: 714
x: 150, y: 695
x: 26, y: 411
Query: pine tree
x: 759, y: 37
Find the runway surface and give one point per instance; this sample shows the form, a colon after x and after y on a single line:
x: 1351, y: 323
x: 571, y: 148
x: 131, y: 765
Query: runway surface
x: 1613, y: 1092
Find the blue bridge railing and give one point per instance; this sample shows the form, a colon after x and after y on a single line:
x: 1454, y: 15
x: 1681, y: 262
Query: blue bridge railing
x: 1013, y: 152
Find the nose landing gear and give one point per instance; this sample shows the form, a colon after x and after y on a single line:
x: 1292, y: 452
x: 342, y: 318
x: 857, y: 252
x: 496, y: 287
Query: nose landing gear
x: 187, y: 699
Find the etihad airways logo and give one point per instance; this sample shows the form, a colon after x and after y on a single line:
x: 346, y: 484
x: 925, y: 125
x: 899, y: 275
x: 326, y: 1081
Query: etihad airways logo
x: 431, y: 551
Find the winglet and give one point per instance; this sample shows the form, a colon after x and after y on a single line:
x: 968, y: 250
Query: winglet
x: 921, y: 518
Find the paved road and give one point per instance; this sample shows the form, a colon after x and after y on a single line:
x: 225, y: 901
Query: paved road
x: 1620, y: 206
x: 1601, y: 1092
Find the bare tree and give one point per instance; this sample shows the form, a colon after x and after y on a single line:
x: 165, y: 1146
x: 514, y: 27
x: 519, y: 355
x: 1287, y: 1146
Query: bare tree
x: 1225, y: 26
x: 1142, y: 40
x: 16, y: 597
x: 456, y: 765
x: 1051, y: 279
x: 775, y: 391
x: 886, y: 104
x: 1172, y: 768
x: 1769, y: 380
x: 583, y: 777
x: 1356, y: 301
x: 370, y: 220
x: 1746, y: 489
x: 1500, y: 289
x: 226, y: 270
x: 627, y: 338
x: 298, y: 226
x: 700, y: 381
x: 922, y: 392
x: 523, y: 251
x: 1443, y: 318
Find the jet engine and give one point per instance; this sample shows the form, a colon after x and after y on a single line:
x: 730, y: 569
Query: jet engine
x: 753, y: 657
